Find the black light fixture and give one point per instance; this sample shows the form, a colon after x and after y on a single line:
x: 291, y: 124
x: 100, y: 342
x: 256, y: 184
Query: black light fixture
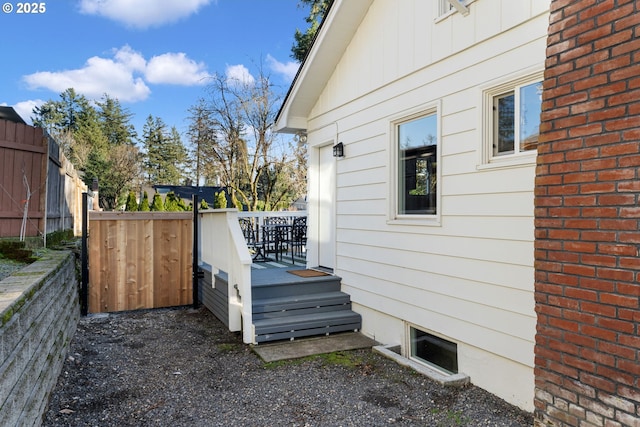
x: 338, y: 150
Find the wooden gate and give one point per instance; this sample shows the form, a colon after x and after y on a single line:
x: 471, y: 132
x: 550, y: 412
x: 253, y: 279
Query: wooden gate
x: 139, y: 260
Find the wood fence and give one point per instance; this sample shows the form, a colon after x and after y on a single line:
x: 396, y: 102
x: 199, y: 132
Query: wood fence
x: 139, y: 260
x: 32, y: 162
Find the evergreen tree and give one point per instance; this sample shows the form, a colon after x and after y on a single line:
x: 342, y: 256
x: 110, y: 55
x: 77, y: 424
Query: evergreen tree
x: 171, y: 203
x: 132, y: 203
x: 157, y: 205
x: 144, y: 203
x: 220, y: 201
x: 165, y: 153
x: 203, y: 205
x: 304, y: 40
x: 98, y: 141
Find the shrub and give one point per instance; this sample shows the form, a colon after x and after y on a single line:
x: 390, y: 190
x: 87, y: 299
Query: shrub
x: 144, y: 204
x: 220, y: 201
x: 171, y: 203
x: 132, y: 203
x: 203, y: 205
x: 157, y: 205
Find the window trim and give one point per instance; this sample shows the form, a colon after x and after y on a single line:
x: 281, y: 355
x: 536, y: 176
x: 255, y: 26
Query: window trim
x: 444, y: 11
x: 409, y: 349
x: 488, y: 93
x: 393, y: 217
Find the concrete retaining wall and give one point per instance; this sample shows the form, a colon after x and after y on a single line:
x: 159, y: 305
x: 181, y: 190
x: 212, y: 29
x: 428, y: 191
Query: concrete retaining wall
x: 39, y: 314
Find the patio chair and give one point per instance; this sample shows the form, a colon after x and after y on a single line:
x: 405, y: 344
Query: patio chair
x: 250, y: 237
x: 298, y: 237
x: 275, y: 233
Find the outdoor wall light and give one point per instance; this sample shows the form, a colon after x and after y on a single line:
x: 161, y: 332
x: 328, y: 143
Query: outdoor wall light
x: 338, y: 150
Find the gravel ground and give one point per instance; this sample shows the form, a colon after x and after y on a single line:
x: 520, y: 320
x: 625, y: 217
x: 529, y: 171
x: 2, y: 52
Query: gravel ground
x: 181, y: 367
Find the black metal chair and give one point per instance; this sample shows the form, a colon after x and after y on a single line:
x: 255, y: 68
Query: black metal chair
x: 298, y: 240
x: 250, y: 236
x: 275, y: 232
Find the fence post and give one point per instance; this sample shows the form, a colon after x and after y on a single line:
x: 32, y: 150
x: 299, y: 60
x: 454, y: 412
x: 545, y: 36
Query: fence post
x: 84, y: 289
x: 194, y: 261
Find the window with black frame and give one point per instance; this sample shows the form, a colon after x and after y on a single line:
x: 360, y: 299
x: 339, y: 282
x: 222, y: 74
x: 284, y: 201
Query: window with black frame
x: 417, y: 166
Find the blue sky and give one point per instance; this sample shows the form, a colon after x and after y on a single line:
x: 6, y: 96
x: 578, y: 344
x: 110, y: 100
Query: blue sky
x: 153, y: 55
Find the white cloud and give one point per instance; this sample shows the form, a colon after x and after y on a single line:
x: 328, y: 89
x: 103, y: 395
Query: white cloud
x: 97, y: 77
x: 25, y: 108
x: 123, y: 76
x: 239, y: 74
x: 286, y: 69
x: 175, y: 68
x: 142, y: 13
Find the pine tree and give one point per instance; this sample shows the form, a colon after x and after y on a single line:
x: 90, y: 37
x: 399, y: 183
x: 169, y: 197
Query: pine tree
x: 132, y: 203
x: 171, y: 203
x: 165, y: 153
x: 144, y: 204
x: 220, y: 201
x: 157, y: 205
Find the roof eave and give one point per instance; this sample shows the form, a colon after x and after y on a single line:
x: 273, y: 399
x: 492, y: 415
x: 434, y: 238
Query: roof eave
x: 334, y: 35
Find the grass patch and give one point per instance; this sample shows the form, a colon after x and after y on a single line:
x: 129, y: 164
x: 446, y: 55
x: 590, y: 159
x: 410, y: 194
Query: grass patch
x: 452, y: 418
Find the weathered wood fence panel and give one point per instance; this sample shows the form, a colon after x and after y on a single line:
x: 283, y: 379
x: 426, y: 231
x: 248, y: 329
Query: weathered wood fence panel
x: 23, y: 156
x: 139, y: 260
x: 28, y: 154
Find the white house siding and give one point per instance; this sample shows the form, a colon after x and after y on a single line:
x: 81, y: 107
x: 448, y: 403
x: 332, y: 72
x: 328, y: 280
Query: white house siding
x: 470, y: 278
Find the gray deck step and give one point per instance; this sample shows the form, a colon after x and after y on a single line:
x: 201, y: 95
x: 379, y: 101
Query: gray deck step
x: 280, y: 328
x: 297, y: 302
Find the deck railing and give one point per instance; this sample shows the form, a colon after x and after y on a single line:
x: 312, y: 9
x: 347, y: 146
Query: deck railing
x: 259, y: 217
x: 223, y: 247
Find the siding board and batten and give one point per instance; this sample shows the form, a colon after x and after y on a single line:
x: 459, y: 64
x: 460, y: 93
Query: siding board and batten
x: 468, y: 277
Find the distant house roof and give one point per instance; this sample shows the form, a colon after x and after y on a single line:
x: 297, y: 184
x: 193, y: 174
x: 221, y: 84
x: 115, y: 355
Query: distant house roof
x: 8, y: 113
x: 187, y: 191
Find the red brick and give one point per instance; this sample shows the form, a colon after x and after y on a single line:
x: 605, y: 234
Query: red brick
x: 616, y: 199
x: 578, y: 363
x: 609, y: 113
x: 620, y: 300
x: 597, y: 284
x: 599, y: 383
x: 615, y: 274
x: 601, y: 139
x: 588, y: 129
x: 598, y: 236
x: 630, y: 212
x: 580, y: 339
x: 617, y: 350
x: 582, y: 200
x: 585, y: 107
x: 617, y: 375
x: 616, y: 38
x: 617, y: 325
x: 600, y: 212
x: 620, y: 150
x: 600, y: 310
x: 615, y: 14
x: 618, y: 249
x: 598, y: 187
x: 619, y: 224
x: 599, y: 260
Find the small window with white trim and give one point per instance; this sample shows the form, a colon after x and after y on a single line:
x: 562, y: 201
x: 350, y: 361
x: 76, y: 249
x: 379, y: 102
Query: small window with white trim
x: 417, y: 163
x: 512, y: 119
x: 434, y: 351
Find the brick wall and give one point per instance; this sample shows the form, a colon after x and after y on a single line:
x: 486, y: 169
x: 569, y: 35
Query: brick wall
x: 588, y: 218
x: 39, y: 313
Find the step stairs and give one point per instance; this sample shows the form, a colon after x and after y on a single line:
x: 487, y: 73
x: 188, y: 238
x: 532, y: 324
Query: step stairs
x: 308, y: 307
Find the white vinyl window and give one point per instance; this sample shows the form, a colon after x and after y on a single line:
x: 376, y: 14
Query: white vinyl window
x: 417, y: 163
x: 512, y: 119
